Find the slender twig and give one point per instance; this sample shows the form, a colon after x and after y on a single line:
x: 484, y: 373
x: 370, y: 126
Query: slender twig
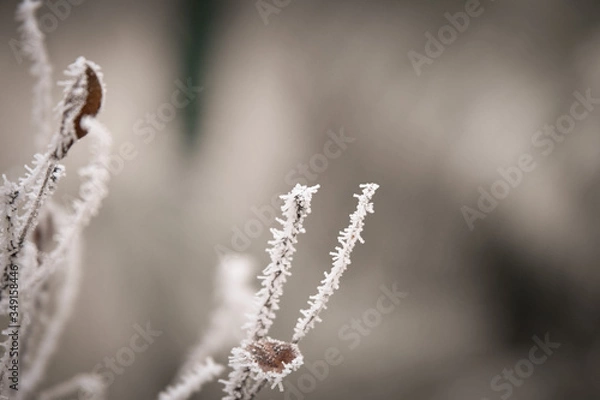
x: 341, y: 260
x: 295, y: 208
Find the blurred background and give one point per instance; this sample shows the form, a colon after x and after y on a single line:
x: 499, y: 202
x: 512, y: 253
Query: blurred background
x: 429, y: 110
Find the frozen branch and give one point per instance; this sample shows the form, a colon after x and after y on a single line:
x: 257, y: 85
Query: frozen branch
x: 193, y: 380
x: 23, y: 201
x: 34, y: 47
x: 234, y: 295
x: 89, y: 387
x: 341, y: 259
x: 295, y: 208
x: 67, y: 291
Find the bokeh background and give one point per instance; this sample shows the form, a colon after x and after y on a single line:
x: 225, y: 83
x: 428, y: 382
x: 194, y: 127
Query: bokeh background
x: 271, y: 94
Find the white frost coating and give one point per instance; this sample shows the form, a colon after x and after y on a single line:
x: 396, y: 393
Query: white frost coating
x: 341, y: 259
x: 7, y: 211
x: 295, y: 208
x: 89, y: 386
x: 234, y: 296
x: 260, y: 360
x: 34, y: 47
x: 38, y: 184
x: 65, y: 300
x: 27, y: 257
x: 41, y: 179
x: 193, y: 380
x: 23, y: 200
x: 92, y: 192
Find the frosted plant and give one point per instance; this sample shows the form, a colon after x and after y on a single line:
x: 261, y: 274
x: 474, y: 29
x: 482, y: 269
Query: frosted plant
x: 260, y: 359
x: 89, y: 387
x: 34, y: 48
x: 341, y: 260
x: 295, y: 208
x: 234, y: 295
x: 193, y: 380
x: 44, y: 336
x: 39, y: 241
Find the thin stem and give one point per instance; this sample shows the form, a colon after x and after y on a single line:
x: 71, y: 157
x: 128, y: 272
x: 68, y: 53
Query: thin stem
x: 341, y: 260
x: 33, y: 213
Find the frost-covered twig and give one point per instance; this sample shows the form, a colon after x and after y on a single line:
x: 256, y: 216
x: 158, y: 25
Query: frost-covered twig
x: 23, y: 201
x: 83, y: 98
x: 259, y: 359
x: 234, y: 296
x: 341, y: 259
x: 92, y: 192
x: 295, y: 208
x: 193, y: 380
x: 89, y: 386
x: 34, y: 47
x: 37, y: 312
x: 43, y: 180
x: 66, y: 293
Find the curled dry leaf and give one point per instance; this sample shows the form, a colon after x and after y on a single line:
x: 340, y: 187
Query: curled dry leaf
x: 83, y: 97
x: 93, y: 101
